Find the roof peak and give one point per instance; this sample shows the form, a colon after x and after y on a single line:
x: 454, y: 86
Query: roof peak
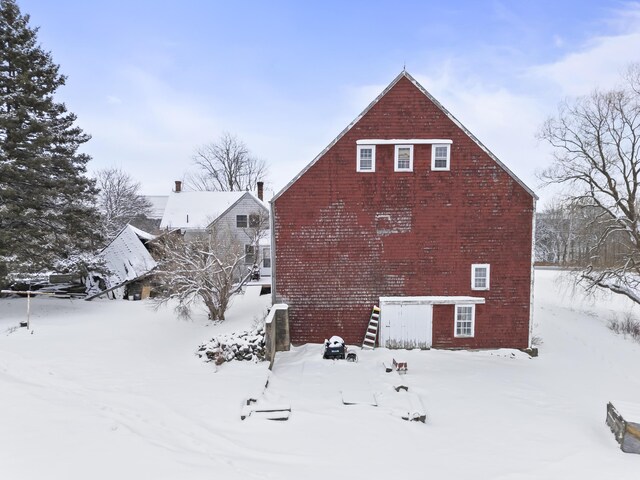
x: 405, y: 74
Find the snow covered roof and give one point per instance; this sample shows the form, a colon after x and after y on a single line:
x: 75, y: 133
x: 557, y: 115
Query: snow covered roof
x: 141, y: 233
x: 196, y: 210
x: 127, y: 257
x: 158, y: 204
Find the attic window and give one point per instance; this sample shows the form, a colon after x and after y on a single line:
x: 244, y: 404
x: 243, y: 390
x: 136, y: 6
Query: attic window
x: 404, y: 158
x: 366, y: 158
x: 254, y: 220
x: 440, y: 157
x: 241, y: 221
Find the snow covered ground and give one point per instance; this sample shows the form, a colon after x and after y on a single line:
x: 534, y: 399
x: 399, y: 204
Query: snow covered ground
x: 113, y: 389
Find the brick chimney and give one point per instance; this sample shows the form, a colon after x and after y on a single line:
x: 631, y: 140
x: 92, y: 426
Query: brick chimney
x: 260, y: 190
x: 178, y: 186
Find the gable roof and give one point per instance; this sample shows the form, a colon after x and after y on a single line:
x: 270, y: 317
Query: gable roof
x: 405, y: 74
x: 197, y: 210
x: 158, y: 204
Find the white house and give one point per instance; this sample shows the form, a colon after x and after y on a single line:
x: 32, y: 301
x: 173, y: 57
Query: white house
x: 244, y: 214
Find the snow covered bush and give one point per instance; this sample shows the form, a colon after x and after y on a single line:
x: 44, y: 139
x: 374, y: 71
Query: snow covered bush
x: 201, y: 268
x: 248, y: 345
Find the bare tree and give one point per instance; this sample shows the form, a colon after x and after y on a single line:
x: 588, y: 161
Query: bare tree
x: 596, y: 140
x: 555, y: 234
x: 119, y: 200
x: 204, y: 267
x: 226, y: 165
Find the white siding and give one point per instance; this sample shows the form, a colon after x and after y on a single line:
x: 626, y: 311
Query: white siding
x: 247, y: 205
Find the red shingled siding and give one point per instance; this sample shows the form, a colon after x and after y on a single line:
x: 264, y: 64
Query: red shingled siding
x: 343, y: 239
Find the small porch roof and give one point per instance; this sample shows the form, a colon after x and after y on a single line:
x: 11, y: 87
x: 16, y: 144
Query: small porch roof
x: 431, y: 300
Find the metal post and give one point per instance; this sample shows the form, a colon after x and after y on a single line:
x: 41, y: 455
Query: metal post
x: 28, y: 309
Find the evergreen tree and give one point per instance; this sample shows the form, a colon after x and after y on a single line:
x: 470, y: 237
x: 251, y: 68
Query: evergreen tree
x: 47, y: 208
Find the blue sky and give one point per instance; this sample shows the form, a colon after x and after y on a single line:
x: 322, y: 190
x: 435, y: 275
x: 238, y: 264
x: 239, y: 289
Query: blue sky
x: 152, y: 80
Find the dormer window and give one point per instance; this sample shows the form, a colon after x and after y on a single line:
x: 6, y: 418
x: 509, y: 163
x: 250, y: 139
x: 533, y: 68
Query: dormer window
x: 440, y: 156
x: 404, y: 158
x: 366, y: 158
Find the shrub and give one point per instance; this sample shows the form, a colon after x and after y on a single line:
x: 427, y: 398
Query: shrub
x: 628, y: 325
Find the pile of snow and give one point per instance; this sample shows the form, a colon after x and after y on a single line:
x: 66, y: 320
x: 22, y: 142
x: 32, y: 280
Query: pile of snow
x: 247, y: 345
x: 334, y: 341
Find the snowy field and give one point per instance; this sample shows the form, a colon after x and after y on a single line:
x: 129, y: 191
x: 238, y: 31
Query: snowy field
x: 113, y: 389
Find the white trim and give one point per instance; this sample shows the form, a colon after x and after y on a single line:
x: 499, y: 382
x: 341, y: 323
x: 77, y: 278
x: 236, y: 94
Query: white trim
x: 533, y: 273
x: 474, y: 267
x: 395, y: 159
x: 373, y: 158
x: 473, y: 321
x: 403, y: 141
x: 431, y: 300
x: 433, y: 157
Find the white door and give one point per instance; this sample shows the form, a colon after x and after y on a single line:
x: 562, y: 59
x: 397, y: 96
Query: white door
x: 406, y: 325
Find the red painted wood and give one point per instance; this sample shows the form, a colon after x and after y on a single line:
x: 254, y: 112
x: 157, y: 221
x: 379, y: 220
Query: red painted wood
x: 343, y: 239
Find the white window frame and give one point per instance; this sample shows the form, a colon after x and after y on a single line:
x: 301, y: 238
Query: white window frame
x: 373, y: 158
x: 456, y: 320
x: 474, y: 275
x: 433, y: 157
x: 396, y: 159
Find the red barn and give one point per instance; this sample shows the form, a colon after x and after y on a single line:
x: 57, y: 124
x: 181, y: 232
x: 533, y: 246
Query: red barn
x: 407, y: 210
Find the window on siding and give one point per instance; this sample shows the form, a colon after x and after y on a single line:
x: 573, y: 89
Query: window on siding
x: 465, y: 320
x: 480, y: 276
x: 254, y: 220
x: 266, y: 258
x: 440, y: 156
x: 241, y: 221
x: 249, y: 254
x: 404, y: 158
x: 366, y: 158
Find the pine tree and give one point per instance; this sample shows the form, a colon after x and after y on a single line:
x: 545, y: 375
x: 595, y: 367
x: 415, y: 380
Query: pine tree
x: 46, y: 201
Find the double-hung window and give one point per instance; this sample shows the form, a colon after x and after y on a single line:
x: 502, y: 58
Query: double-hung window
x: 241, y: 221
x: 254, y: 221
x: 404, y: 158
x: 366, y: 158
x: 465, y: 320
x: 480, y: 276
x: 440, y: 156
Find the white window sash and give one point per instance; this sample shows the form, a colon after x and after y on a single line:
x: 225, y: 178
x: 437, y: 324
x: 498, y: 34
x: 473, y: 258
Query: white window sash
x: 474, y: 275
x: 447, y: 158
x: 360, y: 148
x: 408, y: 168
x: 460, y: 321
